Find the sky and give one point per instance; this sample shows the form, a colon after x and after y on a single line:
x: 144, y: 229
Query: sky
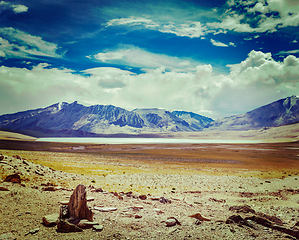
x: 215, y: 58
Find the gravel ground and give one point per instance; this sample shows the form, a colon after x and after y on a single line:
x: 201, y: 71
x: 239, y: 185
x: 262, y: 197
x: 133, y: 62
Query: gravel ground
x: 23, y: 205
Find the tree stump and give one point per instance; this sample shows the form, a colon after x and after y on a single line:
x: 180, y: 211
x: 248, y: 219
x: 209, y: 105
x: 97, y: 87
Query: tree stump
x: 77, y: 207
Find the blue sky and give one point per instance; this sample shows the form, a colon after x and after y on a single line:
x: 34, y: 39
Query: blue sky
x: 215, y: 58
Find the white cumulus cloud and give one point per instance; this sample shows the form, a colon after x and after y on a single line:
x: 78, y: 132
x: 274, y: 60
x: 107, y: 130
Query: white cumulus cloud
x: 192, y: 29
x: 16, y: 43
x: 256, y: 81
x: 218, y: 44
x: 17, y: 8
x: 258, y: 16
x: 129, y: 55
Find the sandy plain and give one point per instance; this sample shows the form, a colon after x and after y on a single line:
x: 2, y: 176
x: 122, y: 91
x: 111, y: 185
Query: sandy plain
x: 210, y: 179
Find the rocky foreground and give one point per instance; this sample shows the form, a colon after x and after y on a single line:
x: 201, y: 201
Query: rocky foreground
x: 231, y: 208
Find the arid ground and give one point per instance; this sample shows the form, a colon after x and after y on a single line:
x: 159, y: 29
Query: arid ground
x: 258, y: 183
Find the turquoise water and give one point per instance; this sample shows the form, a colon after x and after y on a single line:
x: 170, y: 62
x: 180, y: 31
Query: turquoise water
x: 142, y: 140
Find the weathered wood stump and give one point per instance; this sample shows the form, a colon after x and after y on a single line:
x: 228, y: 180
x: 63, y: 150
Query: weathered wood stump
x: 77, y: 207
x: 75, y: 211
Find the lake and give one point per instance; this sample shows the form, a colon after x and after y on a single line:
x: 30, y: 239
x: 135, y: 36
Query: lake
x: 142, y: 140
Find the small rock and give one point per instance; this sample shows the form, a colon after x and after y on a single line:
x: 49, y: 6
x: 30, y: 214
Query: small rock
x: 197, y: 222
x: 216, y: 200
x: 25, y: 162
x: 138, y: 216
x: 51, y: 189
x: 158, y: 211
x: 129, y: 194
x: 97, y: 190
x: 243, y: 209
x: 64, y: 202
x: 3, y: 189
x: 234, y: 219
x: 89, y: 199
x: 143, y: 197
x: 137, y: 208
x: 105, y: 209
x: 14, y: 178
x: 39, y: 173
x: 98, y: 228
x: 199, y: 217
x: 164, y: 200
x: 155, y: 198
x: 84, y: 223
x: 170, y: 222
x: 33, y: 231
x: 51, y: 220
x: 48, y: 184
x: 64, y: 226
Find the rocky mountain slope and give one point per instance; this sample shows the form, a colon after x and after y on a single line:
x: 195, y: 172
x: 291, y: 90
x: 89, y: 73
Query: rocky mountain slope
x: 282, y: 112
x: 194, y: 120
x: 63, y: 119
x: 76, y: 120
x: 162, y: 120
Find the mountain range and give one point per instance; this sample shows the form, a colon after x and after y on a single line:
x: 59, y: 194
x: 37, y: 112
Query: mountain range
x: 64, y: 119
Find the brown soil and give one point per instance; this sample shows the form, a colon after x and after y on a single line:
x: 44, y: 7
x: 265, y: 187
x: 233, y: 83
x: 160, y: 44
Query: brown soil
x: 197, y: 178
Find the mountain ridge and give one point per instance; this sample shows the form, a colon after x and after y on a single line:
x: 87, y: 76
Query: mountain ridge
x: 74, y: 119
x: 278, y: 113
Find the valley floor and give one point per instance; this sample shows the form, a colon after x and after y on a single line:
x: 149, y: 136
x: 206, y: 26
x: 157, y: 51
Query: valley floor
x: 209, y: 179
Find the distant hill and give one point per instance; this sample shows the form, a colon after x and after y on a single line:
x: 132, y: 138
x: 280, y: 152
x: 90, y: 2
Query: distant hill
x: 64, y: 119
x: 282, y: 112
